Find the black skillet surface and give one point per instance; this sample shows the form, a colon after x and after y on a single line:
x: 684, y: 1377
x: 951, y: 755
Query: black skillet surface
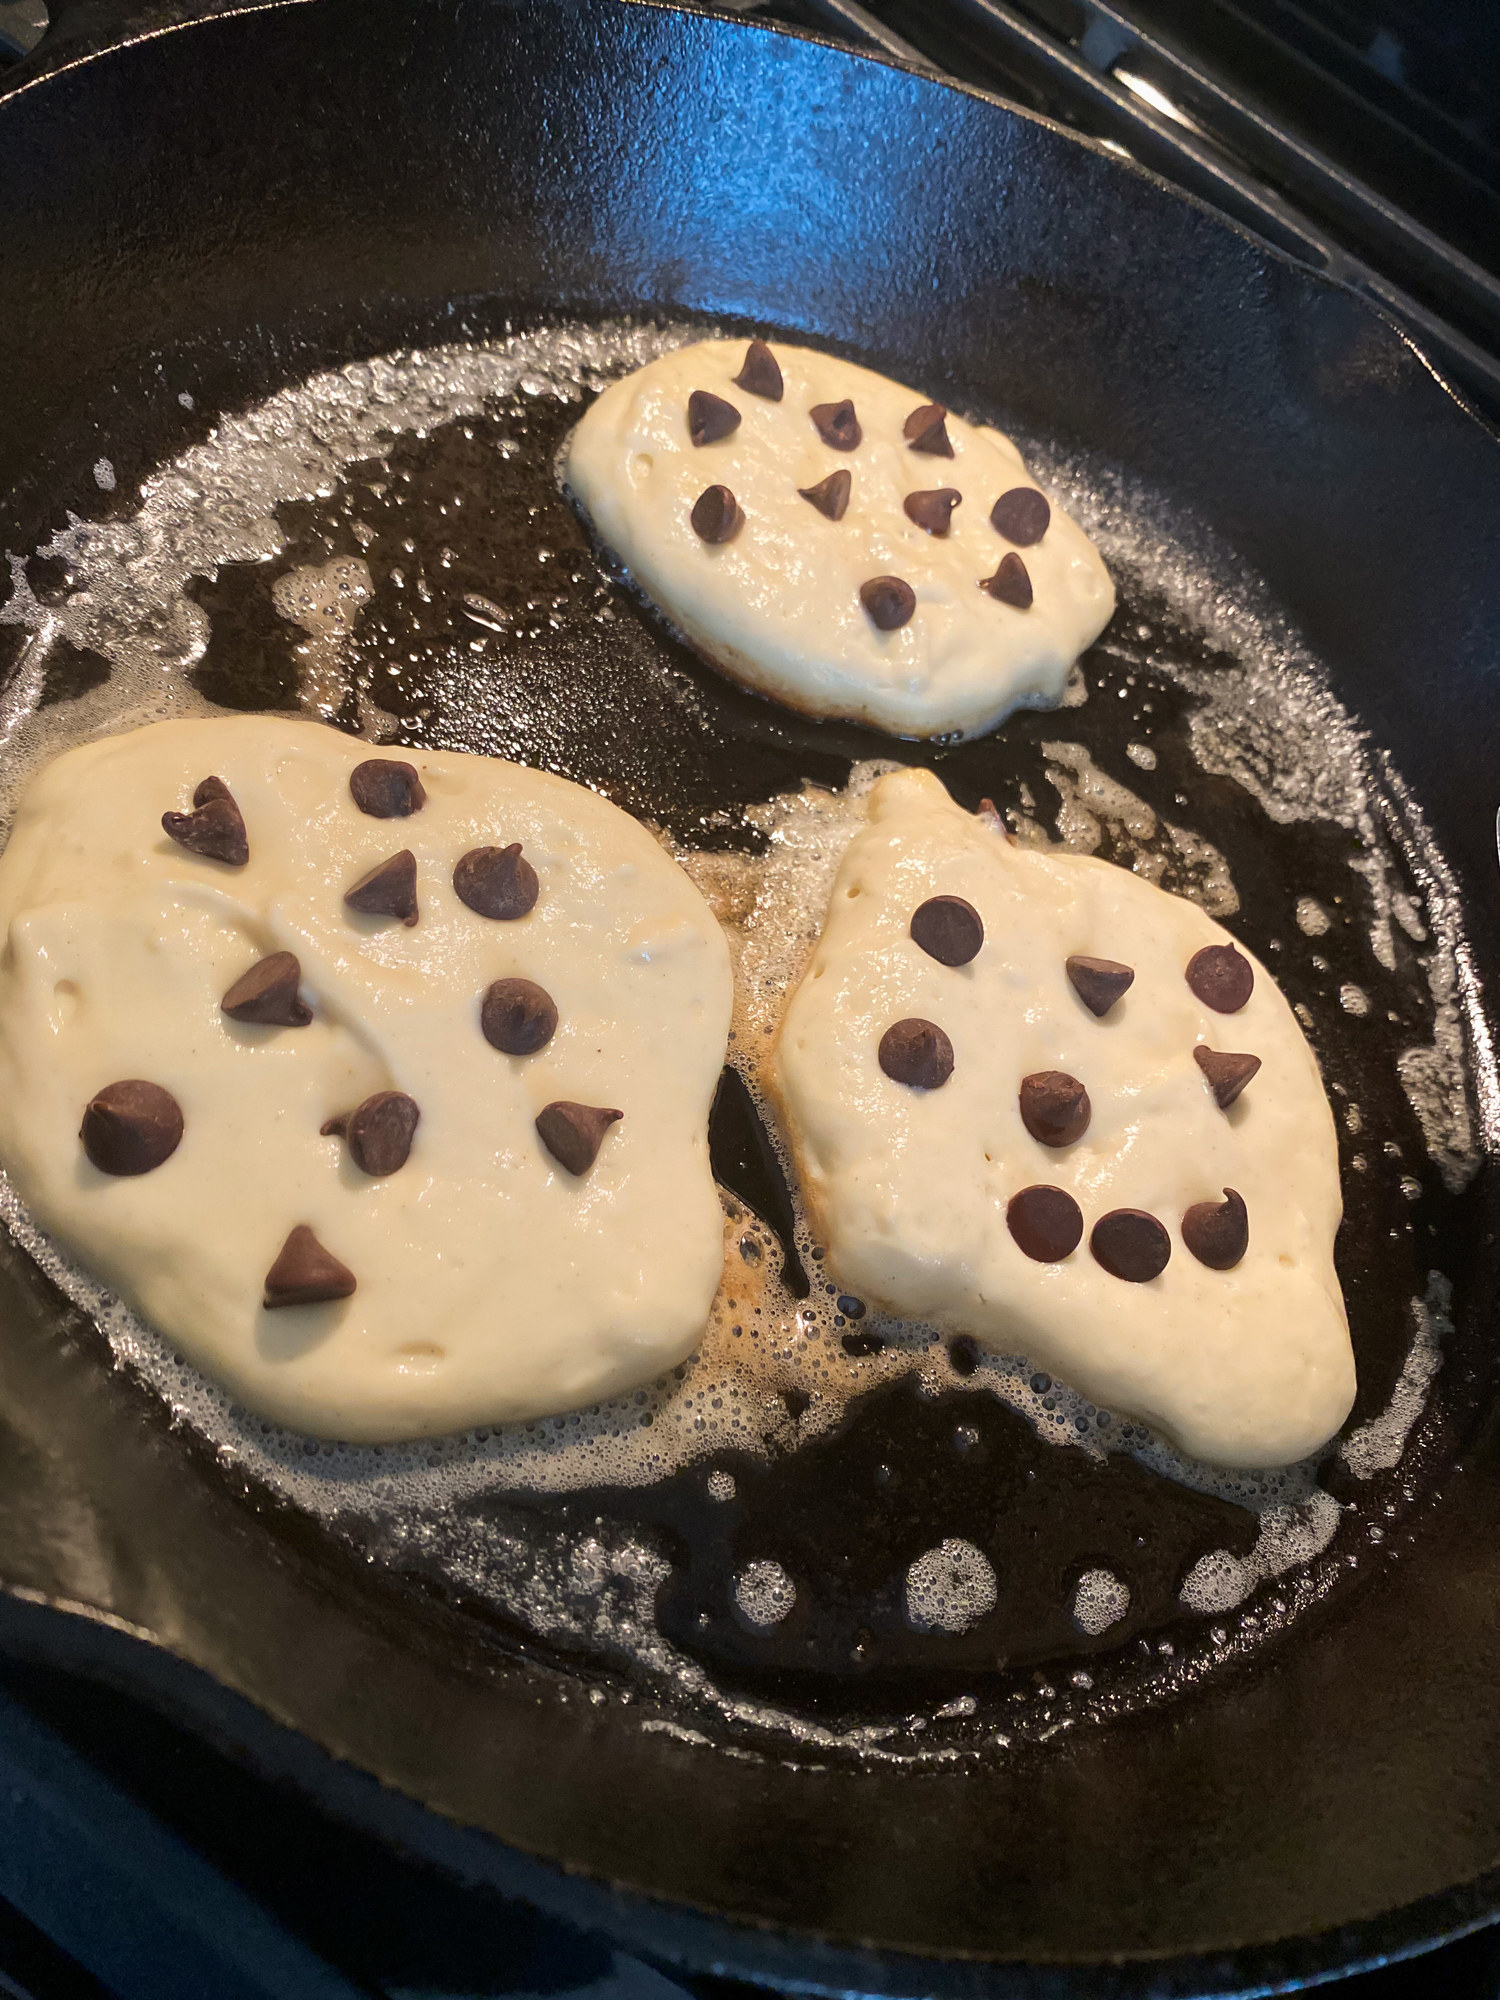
x: 237, y: 203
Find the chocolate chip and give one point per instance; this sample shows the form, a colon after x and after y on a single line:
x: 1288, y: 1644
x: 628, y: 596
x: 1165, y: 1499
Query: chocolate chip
x: 948, y: 929
x: 889, y: 600
x: 716, y: 515
x: 131, y: 1127
x: 215, y: 829
x: 573, y: 1133
x: 918, y: 1053
x: 386, y: 788
x: 517, y: 1016
x: 1217, y: 1232
x: 267, y: 994
x: 934, y: 510
x: 926, y: 430
x: 1055, y: 1107
x: 1099, y: 982
x: 1021, y: 515
x: 334, y: 1127
x: 1227, y: 1074
x: 305, y: 1274
x: 1131, y: 1244
x: 389, y: 890
x: 831, y: 495
x: 380, y: 1131
x: 1221, y: 977
x: 710, y: 417
x: 497, y: 882
x: 837, y: 424
x: 1046, y: 1222
x: 761, y: 374
x: 1011, y: 583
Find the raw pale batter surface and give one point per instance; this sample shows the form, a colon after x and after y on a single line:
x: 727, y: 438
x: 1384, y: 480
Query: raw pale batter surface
x: 778, y: 605
x: 492, y: 1284
x: 910, y: 1187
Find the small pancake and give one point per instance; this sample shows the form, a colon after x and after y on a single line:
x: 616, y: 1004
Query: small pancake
x: 791, y: 588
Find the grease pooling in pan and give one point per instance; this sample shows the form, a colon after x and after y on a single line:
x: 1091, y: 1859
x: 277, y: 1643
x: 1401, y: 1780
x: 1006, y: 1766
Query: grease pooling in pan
x: 1199, y: 746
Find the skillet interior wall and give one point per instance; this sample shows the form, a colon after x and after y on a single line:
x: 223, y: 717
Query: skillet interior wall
x: 345, y: 203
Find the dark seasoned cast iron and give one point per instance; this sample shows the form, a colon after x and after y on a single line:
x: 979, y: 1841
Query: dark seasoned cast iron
x: 249, y: 198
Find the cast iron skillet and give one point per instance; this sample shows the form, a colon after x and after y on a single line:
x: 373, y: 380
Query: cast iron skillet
x: 242, y: 198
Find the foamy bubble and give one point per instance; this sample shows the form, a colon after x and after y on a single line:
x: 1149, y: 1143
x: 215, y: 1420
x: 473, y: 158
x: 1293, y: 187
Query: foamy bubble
x: 764, y: 1594
x: 324, y: 598
x: 1175, y: 858
x: 1377, y: 1445
x: 950, y: 1588
x: 1288, y: 1537
x: 1217, y: 1582
x: 1434, y: 1077
x: 1099, y: 1601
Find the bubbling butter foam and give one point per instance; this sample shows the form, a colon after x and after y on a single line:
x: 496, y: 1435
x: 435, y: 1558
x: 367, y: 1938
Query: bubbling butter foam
x: 1289, y: 1537
x: 1377, y: 1445
x: 950, y: 1588
x: 1099, y: 1601
x: 764, y: 1594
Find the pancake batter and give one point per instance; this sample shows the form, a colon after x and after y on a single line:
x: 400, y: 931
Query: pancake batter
x: 1035, y: 1099
x: 828, y: 537
x: 377, y: 1081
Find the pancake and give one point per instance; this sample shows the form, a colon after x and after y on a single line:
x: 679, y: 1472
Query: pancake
x: 1035, y: 1099
x: 379, y: 1087
x: 877, y: 558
